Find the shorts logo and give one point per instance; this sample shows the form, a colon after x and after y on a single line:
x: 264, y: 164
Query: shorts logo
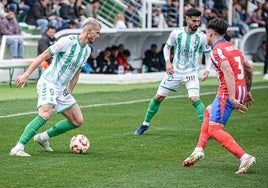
x: 189, y: 78
x: 65, y: 92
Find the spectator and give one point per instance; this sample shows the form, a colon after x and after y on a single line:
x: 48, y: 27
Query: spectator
x: 47, y: 39
x: 151, y: 59
x: 18, y: 6
x: 161, y: 57
x: 70, y: 25
x: 209, y: 4
x: 119, y: 21
x: 92, y: 62
x: 30, y: 2
x: 87, y: 68
x: 121, y: 48
x: 104, y: 62
x: 265, y: 17
x: 91, y: 9
x: 172, y: 14
x: 259, y: 56
x: 10, y: 26
x: 131, y: 16
x: 52, y: 12
x: 124, y: 61
x: 68, y: 13
x: 164, y: 8
x: 37, y: 16
x: 3, y: 8
x: 238, y: 20
x: 158, y: 19
x: 113, y: 58
x: 220, y: 4
x: 256, y: 18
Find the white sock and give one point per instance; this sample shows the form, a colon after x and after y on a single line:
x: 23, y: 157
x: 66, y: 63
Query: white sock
x: 198, y: 149
x: 146, y: 123
x: 44, y: 136
x: 19, y: 146
x: 244, y: 157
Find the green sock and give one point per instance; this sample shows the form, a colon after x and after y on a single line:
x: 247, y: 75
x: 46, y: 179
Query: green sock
x: 60, y: 127
x: 152, y: 109
x: 199, y: 109
x: 31, y: 129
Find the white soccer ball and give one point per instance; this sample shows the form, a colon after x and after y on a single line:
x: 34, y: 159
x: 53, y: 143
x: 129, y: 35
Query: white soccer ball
x: 79, y: 144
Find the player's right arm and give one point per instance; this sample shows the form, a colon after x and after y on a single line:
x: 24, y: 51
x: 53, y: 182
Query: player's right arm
x: 230, y: 82
x: 169, y: 67
x: 21, y: 80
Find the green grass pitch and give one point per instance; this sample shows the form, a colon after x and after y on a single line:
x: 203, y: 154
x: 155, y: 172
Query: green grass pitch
x: 116, y: 157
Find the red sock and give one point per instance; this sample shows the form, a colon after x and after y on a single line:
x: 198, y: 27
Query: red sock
x: 226, y: 140
x: 204, y: 136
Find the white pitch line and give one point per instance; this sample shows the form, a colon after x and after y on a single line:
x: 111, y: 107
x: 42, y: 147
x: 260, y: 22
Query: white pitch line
x: 121, y: 103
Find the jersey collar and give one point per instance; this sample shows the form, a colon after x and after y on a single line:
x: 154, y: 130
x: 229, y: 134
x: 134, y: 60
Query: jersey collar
x: 219, y: 41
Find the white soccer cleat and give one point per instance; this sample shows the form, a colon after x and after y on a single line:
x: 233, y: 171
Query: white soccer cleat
x: 245, y: 164
x: 43, y: 143
x: 19, y: 152
x: 265, y: 77
x: 193, y: 158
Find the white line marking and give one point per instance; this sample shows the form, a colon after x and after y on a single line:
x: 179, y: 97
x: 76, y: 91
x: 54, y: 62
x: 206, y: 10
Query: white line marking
x: 121, y: 103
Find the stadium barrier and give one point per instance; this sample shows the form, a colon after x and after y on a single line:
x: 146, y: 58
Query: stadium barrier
x: 251, y: 41
x: 136, y: 40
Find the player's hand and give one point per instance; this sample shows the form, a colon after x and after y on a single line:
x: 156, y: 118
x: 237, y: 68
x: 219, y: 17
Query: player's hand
x: 21, y: 80
x: 241, y: 108
x: 169, y: 68
x: 249, y: 100
x: 205, y: 75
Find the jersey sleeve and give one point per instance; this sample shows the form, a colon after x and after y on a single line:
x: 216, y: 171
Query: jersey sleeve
x: 60, y: 46
x: 171, y: 39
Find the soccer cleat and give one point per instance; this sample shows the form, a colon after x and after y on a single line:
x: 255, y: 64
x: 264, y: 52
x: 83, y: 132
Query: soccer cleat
x: 244, y: 166
x: 19, y: 152
x: 141, y: 130
x: 43, y: 143
x: 193, y: 158
x: 265, y: 77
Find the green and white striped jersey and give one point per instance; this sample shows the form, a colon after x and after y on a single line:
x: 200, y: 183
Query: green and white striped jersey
x: 187, y: 49
x: 68, y: 57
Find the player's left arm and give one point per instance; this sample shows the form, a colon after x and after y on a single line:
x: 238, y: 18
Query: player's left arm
x: 207, y: 50
x: 230, y: 82
x: 74, y: 81
x: 248, y: 70
x: 208, y: 66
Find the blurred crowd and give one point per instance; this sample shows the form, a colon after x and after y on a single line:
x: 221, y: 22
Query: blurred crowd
x: 51, y: 16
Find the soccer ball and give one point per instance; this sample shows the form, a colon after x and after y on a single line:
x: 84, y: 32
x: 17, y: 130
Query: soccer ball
x: 79, y: 144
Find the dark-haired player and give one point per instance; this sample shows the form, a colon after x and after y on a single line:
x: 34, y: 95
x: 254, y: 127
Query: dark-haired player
x: 235, y: 78
x: 189, y: 43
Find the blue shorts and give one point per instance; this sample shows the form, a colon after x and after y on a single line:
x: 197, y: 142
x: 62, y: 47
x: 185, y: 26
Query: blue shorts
x: 221, y: 110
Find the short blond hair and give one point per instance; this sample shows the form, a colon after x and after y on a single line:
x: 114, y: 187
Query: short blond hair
x: 90, y: 22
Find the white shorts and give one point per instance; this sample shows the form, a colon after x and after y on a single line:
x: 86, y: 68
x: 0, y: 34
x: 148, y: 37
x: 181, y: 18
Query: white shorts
x: 174, y: 81
x: 58, y: 97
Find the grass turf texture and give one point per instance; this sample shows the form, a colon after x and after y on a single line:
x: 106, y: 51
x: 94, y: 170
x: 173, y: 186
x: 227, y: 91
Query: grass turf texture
x: 116, y: 157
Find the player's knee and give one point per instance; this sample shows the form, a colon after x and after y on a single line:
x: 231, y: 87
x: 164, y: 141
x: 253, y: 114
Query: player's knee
x: 160, y: 98
x: 194, y: 98
x: 78, y: 122
x: 45, y: 114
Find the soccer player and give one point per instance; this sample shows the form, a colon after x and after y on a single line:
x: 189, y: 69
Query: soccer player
x: 189, y: 42
x: 56, y: 85
x: 235, y: 78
